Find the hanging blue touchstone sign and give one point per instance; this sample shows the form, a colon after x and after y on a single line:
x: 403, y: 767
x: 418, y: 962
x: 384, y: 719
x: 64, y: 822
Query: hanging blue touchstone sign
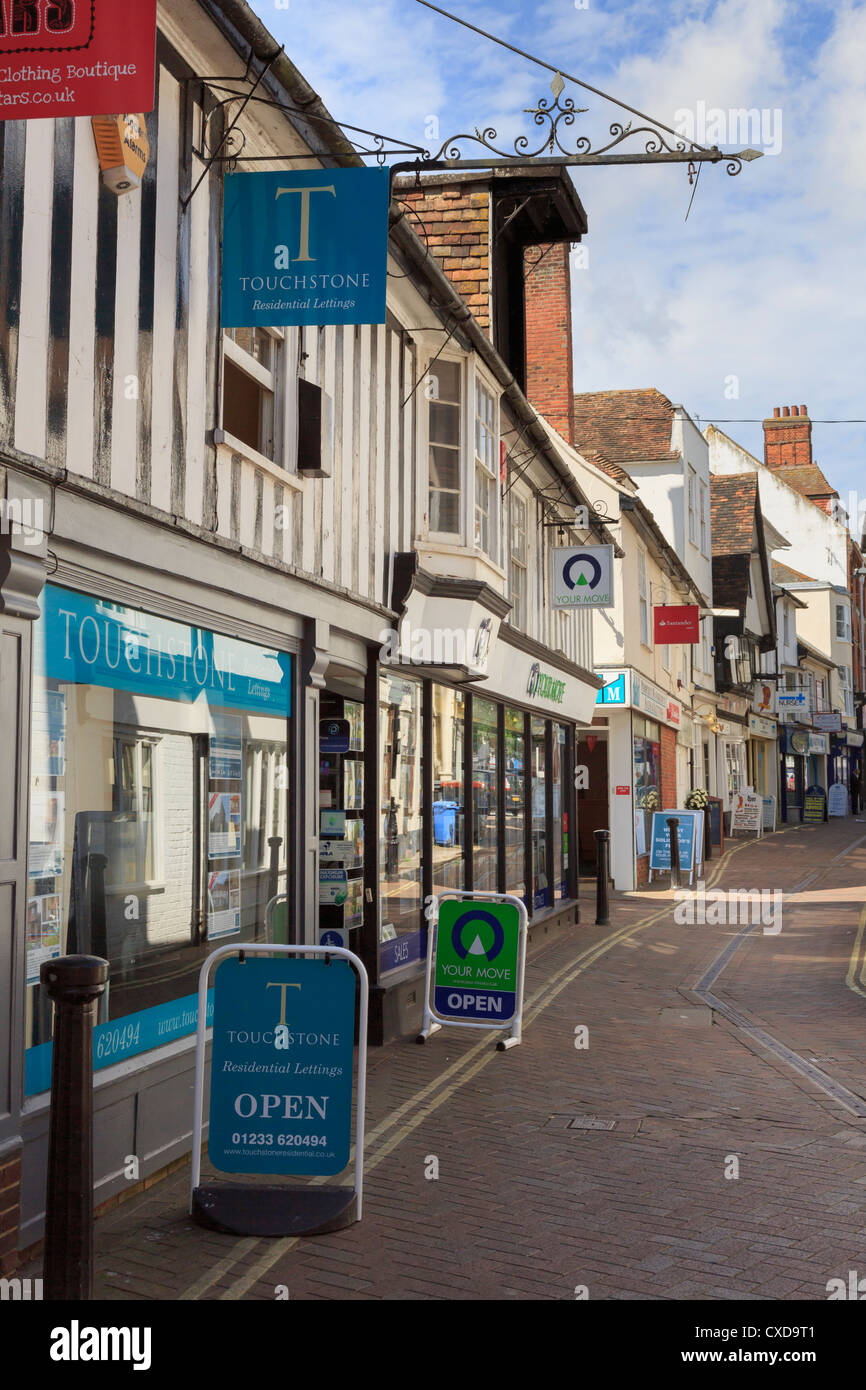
x: 281, y: 1065
x: 305, y: 247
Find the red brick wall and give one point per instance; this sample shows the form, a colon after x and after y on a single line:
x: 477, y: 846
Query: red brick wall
x: 788, y: 438
x: 549, y: 358
x: 668, y: 767
x: 454, y: 224
x: 10, y: 1182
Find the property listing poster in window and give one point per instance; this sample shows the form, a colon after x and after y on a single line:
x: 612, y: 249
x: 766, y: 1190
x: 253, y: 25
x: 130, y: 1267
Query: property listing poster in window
x: 223, y: 903
x: 225, y: 760
x: 224, y: 825
x: 43, y: 930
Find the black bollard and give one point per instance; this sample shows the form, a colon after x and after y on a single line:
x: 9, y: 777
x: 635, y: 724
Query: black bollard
x: 602, y: 909
x: 74, y: 983
x: 708, y: 835
x: 673, y: 831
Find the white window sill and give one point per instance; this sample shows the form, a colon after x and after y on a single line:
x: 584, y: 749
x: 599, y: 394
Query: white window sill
x: 123, y: 889
x: 227, y: 442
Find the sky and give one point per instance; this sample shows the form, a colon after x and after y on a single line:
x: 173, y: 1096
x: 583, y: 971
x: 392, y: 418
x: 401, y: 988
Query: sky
x: 756, y: 300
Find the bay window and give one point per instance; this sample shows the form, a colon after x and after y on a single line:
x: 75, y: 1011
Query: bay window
x: 444, y: 438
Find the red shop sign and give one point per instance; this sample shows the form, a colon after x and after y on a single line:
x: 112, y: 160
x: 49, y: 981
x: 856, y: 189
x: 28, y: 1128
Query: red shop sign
x: 677, y: 622
x: 623, y: 791
x: 76, y: 57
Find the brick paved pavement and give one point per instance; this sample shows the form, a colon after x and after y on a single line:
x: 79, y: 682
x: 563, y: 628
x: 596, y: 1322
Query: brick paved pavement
x: 527, y: 1206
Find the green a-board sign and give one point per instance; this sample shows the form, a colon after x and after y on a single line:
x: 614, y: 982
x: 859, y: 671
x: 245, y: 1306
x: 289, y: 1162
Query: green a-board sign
x: 477, y: 956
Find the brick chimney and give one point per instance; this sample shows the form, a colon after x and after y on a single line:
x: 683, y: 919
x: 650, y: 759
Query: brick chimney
x: 549, y: 353
x: 454, y: 223
x: 788, y: 437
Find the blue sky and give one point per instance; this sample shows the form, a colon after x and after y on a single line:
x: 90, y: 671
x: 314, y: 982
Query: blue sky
x: 755, y: 301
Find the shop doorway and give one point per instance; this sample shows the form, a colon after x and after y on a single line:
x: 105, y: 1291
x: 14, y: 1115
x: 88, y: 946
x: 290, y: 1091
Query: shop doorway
x: 593, y: 812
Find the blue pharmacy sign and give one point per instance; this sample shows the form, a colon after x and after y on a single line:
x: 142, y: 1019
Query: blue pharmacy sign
x: 281, y: 1065
x: 305, y: 247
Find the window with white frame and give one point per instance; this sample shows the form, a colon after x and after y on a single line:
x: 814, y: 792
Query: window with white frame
x: 643, y: 598
x: 706, y: 644
x: 517, y: 563
x: 691, y: 501
x: 486, y: 481
x: 703, y: 518
x: 843, y: 622
x: 846, y: 693
x: 444, y: 434
x: 133, y: 794
x: 250, y: 387
x: 786, y: 624
x: 820, y: 702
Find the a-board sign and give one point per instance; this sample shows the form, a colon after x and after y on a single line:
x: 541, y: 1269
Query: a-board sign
x: 281, y: 1065
x: 813, y: 807
x: 747, y: 812
x: 837, y: 800
x: 689, y: 837
x: 769, y: 812
x: 477, y: 954
x: 717, y: 822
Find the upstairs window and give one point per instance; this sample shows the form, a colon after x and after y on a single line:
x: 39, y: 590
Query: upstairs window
x: 250, y: 357
x: 486, y: 486
x: 691, y: 500
x: 517, y: 567
x: 703, y: 496
x: 643, y: 598
x: 444, y: 438
x: 843, y: 623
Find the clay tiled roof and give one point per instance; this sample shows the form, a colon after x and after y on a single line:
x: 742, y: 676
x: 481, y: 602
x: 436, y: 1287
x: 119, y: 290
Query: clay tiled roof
x: 807, y: 479
x: 626, y: 426
x: 733, y: 498
x: 783, y: 574
x: 599, y: 460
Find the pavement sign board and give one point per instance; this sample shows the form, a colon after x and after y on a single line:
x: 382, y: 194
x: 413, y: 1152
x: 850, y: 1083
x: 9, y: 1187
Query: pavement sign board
x: 476, y: 955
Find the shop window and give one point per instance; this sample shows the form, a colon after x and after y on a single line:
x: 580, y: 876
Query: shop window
x: 250, y: 357
x: 444, y: 440
x: 449, y: 834
x: 485, y: 801
x: 402, y: 934
x: 148, y: 830
x: 486, y: 485
x: 541, y: 887
x: 515, y: 803
x: 517, y: 567
x: 647, y: 778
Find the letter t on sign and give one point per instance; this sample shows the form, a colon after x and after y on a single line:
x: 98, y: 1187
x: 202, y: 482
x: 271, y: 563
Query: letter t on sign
x: 274, y: 984
x: 304, y: 245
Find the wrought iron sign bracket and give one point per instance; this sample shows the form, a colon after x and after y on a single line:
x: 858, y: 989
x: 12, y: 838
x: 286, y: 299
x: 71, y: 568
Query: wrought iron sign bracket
x: 231, y: 130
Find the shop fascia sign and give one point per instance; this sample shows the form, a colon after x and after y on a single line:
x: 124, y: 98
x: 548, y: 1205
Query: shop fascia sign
x: 648, y: 698
x: 582, y: 576
x: 91, y: 642
x: 764, y: 728
x: 616, y: 689
x: 61, y: 59
x: 545, y: 685
x: 305, y: 247
x: 827, y: 721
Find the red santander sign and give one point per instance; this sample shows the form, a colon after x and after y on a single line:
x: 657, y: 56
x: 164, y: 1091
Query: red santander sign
x: 676, y: 622
x: 76, y: 57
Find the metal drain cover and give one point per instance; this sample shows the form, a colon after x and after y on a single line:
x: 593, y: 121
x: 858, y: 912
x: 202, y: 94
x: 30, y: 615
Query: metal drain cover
x: 590, y: 1122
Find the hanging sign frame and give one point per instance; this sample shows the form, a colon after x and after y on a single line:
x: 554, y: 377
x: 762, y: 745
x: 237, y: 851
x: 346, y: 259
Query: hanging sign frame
x: 285, y: 1210
x: 433, y: 1021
